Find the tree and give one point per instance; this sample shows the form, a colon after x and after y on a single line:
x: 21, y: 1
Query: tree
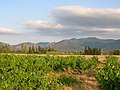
x: 39, y: 49
x: 23, y: 48
x: 50, y: 49
x: 30, y: 50
x: 43, y: 50
x: 92, y: 51
x: 33, y: 49
x: 114, y: 52
x: 4, y: 48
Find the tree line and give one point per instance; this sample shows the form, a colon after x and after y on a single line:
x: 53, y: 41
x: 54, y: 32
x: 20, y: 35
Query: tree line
x: 35, y: 49
x: 114, y: 52
x: 92, y: 51
x: 24, y: 48
x: 4, y: 48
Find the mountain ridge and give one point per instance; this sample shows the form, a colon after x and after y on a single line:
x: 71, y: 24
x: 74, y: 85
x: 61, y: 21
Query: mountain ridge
x: 74, y: 44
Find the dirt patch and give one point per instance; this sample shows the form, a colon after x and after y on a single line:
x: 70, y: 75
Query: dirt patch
x: 87, y: 80
x: 67, y: 88
x: 87, y: 83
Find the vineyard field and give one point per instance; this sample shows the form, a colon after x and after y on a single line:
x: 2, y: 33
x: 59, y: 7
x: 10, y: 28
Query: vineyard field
x: 33, y: 72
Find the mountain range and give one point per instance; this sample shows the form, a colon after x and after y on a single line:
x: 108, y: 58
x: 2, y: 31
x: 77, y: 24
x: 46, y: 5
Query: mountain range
x: 77, y: 44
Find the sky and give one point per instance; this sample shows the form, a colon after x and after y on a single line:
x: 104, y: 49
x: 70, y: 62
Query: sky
x: 55, y: 20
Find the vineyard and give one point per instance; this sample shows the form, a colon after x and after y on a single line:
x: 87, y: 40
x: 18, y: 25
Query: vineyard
x: 55, y: 72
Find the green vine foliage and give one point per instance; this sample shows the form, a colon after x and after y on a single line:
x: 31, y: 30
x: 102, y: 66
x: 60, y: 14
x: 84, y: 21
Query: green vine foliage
x: 109, y: 75
x: 33, y: 72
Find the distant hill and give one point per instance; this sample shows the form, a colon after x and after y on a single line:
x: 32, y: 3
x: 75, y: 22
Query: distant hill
x: 29, y: 44
x: 76, y: 44
x: 42, y: 44
x: 68, y: 45
x: 79, y: 44
x: 2, y: 43
x: 18, y: 46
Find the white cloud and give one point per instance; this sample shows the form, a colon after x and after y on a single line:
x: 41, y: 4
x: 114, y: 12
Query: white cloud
x: 91, y: 17
x: 6, y: 31
x: 70, y: 21
x: 39, y: 24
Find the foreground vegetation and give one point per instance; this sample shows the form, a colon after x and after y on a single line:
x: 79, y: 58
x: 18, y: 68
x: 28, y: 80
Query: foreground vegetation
x: 39, y: 73
x: 109, y: 75
x: 49, y: 72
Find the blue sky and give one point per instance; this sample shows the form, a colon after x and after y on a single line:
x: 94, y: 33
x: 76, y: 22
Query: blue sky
x: 41, y: 20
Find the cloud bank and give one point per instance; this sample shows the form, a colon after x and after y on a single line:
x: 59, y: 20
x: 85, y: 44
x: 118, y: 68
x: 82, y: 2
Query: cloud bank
x: 75, y: 21
x: 7, y: 31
